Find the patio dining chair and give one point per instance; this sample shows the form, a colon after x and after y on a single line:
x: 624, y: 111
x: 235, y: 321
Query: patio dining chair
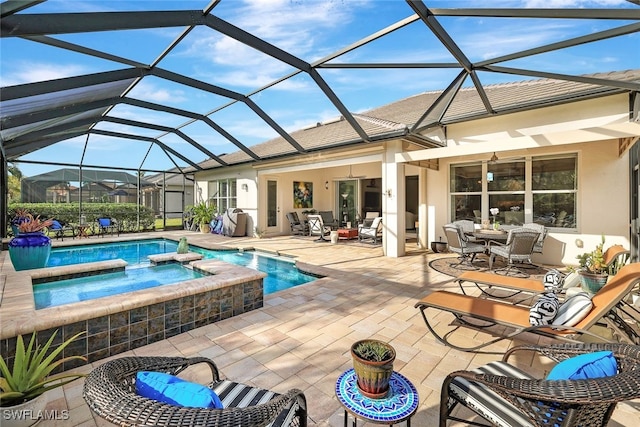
x: 537, y: 248
x: 517, y: 249
x: 460, y: 244
x: 110, y: 392
x: 507, y: 396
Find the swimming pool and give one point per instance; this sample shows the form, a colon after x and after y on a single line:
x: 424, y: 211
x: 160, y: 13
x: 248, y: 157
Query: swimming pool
x: 281, y: 274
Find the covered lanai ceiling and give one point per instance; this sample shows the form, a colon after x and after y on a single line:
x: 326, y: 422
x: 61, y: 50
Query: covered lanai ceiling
x: 183, y: 84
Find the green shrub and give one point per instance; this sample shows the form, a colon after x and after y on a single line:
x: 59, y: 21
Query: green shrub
x: 126, y: 214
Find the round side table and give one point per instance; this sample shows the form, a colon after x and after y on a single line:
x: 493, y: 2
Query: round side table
x: 399, y: 405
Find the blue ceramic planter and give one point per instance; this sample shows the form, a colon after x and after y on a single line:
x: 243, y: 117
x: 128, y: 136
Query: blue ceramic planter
x: 29, y: 250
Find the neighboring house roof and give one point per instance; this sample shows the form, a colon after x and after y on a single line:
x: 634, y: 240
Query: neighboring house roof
x: 396, y: 119
x: 88, y: 175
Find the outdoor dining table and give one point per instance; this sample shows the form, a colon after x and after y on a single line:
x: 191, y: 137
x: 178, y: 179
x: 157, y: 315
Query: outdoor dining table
x: 488, y: 235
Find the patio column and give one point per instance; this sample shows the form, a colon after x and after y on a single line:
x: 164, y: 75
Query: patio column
x: 423, y: 217
x: 393, y: 202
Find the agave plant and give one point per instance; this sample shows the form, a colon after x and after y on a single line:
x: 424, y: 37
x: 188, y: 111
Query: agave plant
x: 30, y: 377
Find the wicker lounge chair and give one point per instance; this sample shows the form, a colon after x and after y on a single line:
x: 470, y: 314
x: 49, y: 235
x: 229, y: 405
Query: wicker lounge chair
x: 482, y: 313
x: 109, y: 390
x: 507, y: 396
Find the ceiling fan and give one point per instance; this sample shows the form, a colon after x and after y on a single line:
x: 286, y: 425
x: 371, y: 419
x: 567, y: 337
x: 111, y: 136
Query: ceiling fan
x: 351, y: 176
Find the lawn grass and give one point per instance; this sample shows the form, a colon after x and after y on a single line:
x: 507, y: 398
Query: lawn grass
x: 170, y: 222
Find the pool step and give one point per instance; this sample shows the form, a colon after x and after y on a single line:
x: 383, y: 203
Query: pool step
x: 175, y: 257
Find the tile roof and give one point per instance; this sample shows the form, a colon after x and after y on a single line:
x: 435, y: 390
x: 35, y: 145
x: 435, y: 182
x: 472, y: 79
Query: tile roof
x: 395, y: 118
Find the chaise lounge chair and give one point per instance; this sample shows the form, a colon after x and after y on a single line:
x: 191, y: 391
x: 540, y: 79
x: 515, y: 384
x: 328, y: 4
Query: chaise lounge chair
x: 60, y: 228
x: 506, y: 396
x: 614, y: 258
x: 110, y: 391
x: 480, y: 313
x: 107, y: 225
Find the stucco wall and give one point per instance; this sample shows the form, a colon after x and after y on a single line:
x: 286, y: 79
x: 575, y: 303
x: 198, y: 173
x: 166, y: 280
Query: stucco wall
x: 603, y: 200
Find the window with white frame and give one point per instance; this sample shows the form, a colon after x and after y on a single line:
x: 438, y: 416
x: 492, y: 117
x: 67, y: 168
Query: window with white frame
x: 538, y: 189
x: 223, y: 194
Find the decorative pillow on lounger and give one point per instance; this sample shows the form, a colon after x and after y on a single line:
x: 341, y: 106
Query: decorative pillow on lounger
x: 544, y: 310
x: 175, y: 391
x: 573, y: 310
x: 571, y: 280
x: 553, y: 281
x: 585, y: 366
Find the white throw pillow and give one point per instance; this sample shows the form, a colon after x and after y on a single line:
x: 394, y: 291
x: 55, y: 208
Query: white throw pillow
x: 573, y: 310
x: 544, y: 310
x: 571, y: 281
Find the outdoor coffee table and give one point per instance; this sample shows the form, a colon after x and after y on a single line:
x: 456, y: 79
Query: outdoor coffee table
x: 347, y: 233
x: 399, y: 405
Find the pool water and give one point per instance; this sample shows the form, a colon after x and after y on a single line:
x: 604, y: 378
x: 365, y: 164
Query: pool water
x: 132, y: 279
x: 140, y: 273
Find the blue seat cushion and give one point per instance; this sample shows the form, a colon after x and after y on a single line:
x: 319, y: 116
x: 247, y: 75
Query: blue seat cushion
x: 104, y: 222
x: 175, y: 391
x: 55, y: 225
x: 585, y: 366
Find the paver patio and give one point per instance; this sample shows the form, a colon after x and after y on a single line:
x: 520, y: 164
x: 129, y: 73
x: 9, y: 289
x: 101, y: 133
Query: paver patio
x: 302, y: 336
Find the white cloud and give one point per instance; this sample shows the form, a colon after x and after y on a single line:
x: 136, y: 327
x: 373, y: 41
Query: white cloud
x: 21, y: 72
x: 152, y: 93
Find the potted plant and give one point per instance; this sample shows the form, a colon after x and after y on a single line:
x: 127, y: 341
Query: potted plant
x: 593, y: 270
x: 203, y: 213
x: 31, y: 247
x: 23, y: 386
x: 19, y: 216
x: 373, y: 365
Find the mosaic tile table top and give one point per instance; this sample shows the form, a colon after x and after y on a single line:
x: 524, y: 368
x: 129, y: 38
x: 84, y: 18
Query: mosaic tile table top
x: 399, y: 405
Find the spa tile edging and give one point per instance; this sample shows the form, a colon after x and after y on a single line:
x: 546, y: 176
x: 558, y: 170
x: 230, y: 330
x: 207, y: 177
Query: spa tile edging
x: 114, y: 326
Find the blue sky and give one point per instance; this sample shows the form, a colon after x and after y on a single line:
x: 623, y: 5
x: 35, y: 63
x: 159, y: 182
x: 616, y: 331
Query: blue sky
x: 310, y: 30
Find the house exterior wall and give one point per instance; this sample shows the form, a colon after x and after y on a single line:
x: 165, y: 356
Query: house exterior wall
x: 603, y: 184
x: 588, y: 128
x: 247, y: 200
